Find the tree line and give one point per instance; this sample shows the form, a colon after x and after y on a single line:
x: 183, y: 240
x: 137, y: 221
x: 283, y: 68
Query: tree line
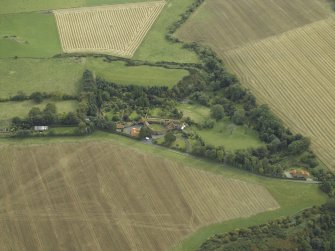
x: 312, y: 229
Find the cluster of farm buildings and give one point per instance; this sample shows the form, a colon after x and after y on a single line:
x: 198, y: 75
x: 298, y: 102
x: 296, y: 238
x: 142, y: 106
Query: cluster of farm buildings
x: 133, y: 128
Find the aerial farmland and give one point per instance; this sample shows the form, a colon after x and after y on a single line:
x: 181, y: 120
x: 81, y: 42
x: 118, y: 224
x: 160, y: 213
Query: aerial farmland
x: 118, y: 29
x: 108, y: 199
x: 167, y: 125
x: 286, y: 62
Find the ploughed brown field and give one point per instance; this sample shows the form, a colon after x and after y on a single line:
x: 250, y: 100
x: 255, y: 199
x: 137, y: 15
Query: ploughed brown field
x: 100, y: 196
x: 283, y: 51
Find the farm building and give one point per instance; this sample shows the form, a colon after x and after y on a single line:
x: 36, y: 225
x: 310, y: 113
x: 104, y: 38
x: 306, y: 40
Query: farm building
x: 41, y: 128
x: 300, y: 174
x: 120, y: 127
x: 134, y: 132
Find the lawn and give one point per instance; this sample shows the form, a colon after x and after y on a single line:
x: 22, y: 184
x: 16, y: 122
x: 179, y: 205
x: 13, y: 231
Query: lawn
x: 8, y: 110
x: 225, y: 133
x: 66, y: 130
x: 292, y: 196
x: 64, y: 74
x: 35, y: 34
x: 231, y: 136
x: 137, y: 75
x: 197, y: 113
x: 157, y: 127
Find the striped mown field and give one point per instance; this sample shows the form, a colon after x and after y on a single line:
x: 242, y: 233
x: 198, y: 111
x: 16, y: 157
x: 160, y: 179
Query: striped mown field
x: 99, y: 196
x: 114, y: 29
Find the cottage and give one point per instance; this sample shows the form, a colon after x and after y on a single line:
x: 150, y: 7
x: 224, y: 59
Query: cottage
x: 120, y: 127
x: 299, y: 174
x: 41, y: 128
x: 134, y: 132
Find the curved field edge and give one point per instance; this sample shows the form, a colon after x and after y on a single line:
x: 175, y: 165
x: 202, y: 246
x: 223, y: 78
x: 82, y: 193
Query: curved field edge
x: 291, y: 196
x: 304, y: 196
x: 140, y: 201
x: 297, y: 82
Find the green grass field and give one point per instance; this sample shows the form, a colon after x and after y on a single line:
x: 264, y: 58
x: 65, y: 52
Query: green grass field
x: 18, y: 6
x: 224, y: 133
x: 292, y: 196
x: 63, y: 74
x: 157, y: 127
x: 8, y: 110
x: 197, y: 113
x: 67, y: 130
x: 138, y: 75
x: 231, y: 136
x: 155, y: 47
x: 35, y: 34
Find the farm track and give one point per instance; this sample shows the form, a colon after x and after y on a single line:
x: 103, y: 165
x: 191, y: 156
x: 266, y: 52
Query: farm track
x: 98, y: 196
x: 294, y: 73
x: 115, y: 29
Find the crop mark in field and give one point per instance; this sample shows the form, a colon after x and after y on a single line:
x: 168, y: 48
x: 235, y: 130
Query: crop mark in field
x: 113, y: 29
x: 112, y: 198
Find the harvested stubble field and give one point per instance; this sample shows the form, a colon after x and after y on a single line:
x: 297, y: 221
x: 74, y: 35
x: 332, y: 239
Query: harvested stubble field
x: 115, y: 29
x: 229, y: 24
x: 295, y: 74
x: 98, y: 196
x: 287, y: 61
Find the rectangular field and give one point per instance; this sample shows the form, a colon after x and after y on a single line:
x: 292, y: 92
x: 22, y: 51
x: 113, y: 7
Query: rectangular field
x: 63, y: 74
x: 294, y: 73
x: 28, y: 35
x: 115, y: 29
x: 98, y: 196
x: 9, y: 110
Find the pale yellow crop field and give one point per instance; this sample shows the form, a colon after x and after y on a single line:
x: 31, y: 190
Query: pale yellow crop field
x: 229, y: 24
x: 114, y: 29
x: 99, y: 196
x: 294, y: 73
